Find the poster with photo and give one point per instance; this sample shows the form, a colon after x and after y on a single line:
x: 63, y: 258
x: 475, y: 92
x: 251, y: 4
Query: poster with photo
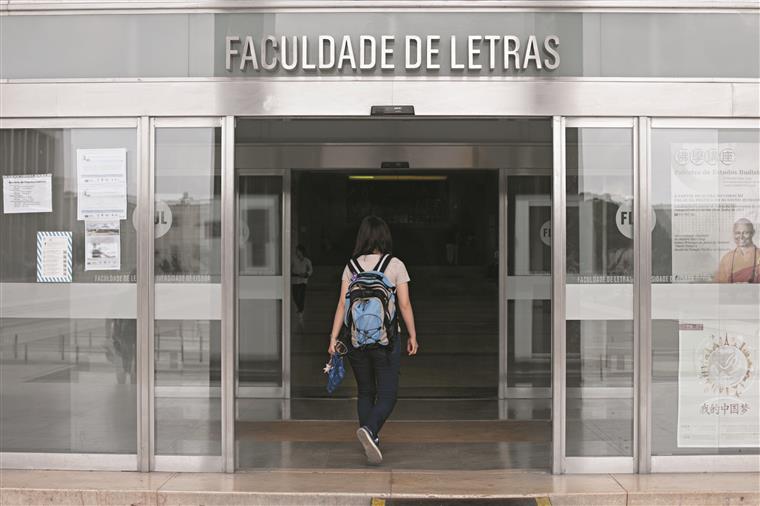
x: 102, y: 245
x: 718, y: 392
x: 715, y: 195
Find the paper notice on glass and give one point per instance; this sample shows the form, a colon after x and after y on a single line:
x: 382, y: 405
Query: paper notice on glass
x: 102, y: 184
x: 715, y: 191
x: 718, y: 391
x: 28, y: 193
x: 102, y: 245
x: 54, y: 257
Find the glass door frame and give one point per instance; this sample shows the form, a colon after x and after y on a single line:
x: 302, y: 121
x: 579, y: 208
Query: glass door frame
x: 136, y: 461
x: 371, y: 163
x: 561, y: 463
x: 506, y: 294
x: 283, y: 391
x: 649, y: 463
x: 186, y: 463
x: 642, y: 461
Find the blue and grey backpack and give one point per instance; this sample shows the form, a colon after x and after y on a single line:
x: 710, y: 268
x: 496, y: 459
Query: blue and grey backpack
x: 370, y: 316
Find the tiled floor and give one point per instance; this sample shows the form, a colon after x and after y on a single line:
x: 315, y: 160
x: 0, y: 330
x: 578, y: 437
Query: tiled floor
x: 339, y: 488
x: 325, y: 456
x: 260, y: 409
x: 472, y: 434
x: 432, y: 445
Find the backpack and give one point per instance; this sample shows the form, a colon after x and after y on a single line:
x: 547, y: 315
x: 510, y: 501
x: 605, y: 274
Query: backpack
x: 370, y: 315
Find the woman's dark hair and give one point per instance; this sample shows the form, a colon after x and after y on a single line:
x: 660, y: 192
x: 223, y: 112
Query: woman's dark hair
x: 374, y: 235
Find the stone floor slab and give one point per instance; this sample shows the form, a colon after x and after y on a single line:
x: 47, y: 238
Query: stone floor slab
x: 83, y: 480
x: 692, y: 482
x: 476, y: 484
x: 695, y: 499
x: 72, y: 497
x: 707, y: 489
x: 370, y: 484
x: 359, y: 487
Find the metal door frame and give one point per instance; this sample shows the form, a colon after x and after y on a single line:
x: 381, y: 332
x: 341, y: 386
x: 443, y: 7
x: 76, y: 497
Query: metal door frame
x: 136, y: 461
x: 283, y: 159
x: 506, y: 393
x: 190, y: 463
x: 142, y: 460
x: 283, y: 391
x: 648, y: 462
x: 562, y: 463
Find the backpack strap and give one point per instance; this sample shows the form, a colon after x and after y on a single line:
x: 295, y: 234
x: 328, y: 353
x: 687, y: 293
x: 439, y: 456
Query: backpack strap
x: 354, y: 267
x: 383, y: 263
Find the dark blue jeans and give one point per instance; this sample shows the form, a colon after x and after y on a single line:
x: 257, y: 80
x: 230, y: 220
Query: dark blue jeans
x: 376, y: 371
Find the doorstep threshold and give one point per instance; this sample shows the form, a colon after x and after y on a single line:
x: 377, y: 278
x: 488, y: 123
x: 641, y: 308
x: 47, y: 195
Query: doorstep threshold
x: 374, y: 488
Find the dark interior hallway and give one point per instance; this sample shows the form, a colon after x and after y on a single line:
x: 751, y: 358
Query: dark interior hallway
x: 444, y: 227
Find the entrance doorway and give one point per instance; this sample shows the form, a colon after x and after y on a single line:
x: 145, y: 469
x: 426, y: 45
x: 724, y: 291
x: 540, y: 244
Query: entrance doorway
x: 444, y: 228
x: 477, y: 396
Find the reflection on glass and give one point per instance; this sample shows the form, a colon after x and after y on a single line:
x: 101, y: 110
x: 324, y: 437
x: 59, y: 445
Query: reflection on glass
x: 187, y: 276
x: 599, y: 292
x: 529, y: 282
x: 67, y: 350
x: 705, y: 291
x: 260, y: 282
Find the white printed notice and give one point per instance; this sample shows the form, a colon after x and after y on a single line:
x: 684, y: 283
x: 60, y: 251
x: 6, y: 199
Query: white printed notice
x: 102, y: 184
x: 718, y: 392
x: 54, y: 257
x: 28, y: 193
x: 715, y: 194
x: 102, y: 245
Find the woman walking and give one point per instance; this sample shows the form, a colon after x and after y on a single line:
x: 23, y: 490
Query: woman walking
x: 375, y: 366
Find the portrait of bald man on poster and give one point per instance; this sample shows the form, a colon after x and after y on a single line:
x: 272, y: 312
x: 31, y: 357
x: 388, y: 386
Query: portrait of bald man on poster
x: 742, y: 264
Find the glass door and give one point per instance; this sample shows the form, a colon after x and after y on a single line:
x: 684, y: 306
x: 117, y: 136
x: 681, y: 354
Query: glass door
x: 70, y: 349
x: 599, y: 325
x: 528, y: 293
x: 705, y: 295
x: 187, y: 274
x: 262, y: 287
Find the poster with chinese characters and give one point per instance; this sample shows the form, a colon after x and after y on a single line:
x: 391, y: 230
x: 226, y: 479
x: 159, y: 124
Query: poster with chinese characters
x: 102, y: 184
x: 718, y: 393
x: 715, y: 195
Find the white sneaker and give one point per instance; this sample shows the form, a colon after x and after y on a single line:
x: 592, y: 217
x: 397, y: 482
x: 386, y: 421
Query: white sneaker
x: 374, y: 456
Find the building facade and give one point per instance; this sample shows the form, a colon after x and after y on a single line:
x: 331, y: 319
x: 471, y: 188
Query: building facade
x: 596, y: 162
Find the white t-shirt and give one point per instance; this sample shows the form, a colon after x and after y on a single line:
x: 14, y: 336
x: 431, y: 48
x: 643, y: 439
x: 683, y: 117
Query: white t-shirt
x: 395, y: 272
x: 300, y: 270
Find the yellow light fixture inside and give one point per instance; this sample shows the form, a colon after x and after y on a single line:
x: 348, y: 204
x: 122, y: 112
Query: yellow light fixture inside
x: 398, y: 178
